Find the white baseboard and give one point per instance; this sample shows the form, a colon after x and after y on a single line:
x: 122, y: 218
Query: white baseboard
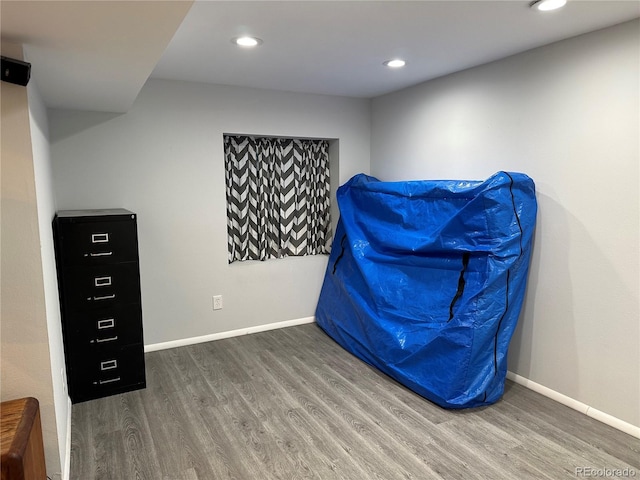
x: 231, y: 333
x: 67, y: 455
x: 605, y: 418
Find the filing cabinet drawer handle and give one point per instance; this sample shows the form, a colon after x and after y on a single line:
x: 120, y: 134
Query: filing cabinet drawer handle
x: 100, y: 238
x: 103, y: 340
x: 108, y: 365
x: 101, y: 254
x: 106, y: 323
x: 105, y: 297
x: 111, y: 380
x: 102, y: 281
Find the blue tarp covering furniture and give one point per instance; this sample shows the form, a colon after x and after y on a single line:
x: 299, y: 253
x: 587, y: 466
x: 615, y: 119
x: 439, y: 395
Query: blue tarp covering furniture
x: 426, y: 280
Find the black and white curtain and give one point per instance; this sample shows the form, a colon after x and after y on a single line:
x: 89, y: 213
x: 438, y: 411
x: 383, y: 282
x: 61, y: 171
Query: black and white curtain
x: 278, y: 200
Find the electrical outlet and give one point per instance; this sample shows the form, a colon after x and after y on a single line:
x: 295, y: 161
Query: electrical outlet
x: 217, y: 302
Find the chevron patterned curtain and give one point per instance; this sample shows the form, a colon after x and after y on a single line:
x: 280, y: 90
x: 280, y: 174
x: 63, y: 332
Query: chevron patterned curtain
x: 278, y: 200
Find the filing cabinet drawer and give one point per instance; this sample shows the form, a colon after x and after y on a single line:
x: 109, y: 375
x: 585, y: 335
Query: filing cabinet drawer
x: 94, y: 376
x: 96, y: 243
x: 95, y: 330
x: 100, y: 286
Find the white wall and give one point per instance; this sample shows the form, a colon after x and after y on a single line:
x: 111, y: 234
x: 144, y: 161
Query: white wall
x: 46, y: 210
x: 567, y: 115
x: 25, y: 354
x: 164, y: 160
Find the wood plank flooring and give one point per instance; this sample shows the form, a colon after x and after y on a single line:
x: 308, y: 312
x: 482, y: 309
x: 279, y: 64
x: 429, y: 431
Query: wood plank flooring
x: 292, y: 404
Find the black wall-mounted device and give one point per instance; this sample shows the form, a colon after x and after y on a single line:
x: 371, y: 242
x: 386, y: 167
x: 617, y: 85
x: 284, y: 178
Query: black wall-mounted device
x: 15, y: 71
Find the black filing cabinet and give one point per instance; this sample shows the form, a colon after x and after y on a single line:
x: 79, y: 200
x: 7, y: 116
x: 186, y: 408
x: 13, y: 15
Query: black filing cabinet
x: 99, y: 281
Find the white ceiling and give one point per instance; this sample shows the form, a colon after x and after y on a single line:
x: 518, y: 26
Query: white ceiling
x: 337, y: 48
x: 91, y: 55
x: 97, y: 55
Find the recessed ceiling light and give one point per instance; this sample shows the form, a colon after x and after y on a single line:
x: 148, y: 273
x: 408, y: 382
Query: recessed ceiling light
x: 247, y: 41
x: 395, y: 63
x: 546, y: 5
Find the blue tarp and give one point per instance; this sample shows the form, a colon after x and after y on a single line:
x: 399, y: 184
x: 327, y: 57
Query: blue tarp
x: 426, y: 280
